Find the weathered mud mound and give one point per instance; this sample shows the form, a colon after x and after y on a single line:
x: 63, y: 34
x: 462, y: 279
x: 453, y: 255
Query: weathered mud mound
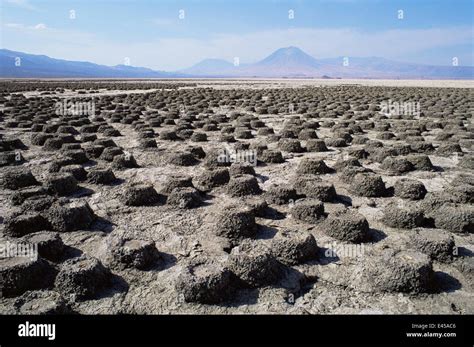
x: 20, y: 274
x: 82, y: 277
x: 70, y: 216
x: 407, y: 216
x: 140, y: 195
x: 368, y: 185
x: 397, y: 271
x: 235, y: 223
x: 435, y: 243
x: 315, y: 167
x: 27, y: 223
x: 61, y: 184
x: 101, y: 176
x: 44, y: 302
x: 294, y: 247
x: 280, y: 195
x: 50, y: 245
x: 17, y: 178
x: 126, y: 252
x: 409, y: 189
x: 347, y: 225
x: 243, y: 185
x: 185, y: 197
x: 254, y: 265
x: 205, y: 281
x: 308, y: 210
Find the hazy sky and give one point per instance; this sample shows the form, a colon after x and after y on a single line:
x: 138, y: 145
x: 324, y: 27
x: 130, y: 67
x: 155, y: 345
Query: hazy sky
x: 151, y: 33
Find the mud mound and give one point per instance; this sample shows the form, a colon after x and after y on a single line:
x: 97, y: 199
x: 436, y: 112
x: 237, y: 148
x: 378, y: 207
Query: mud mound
x: 82, y: 278
x: 17, y: 178
x: 409, y: 189
x: 421, y: 162
x: 127, y: 252
x: 77, y: 156
x: 101, y: 176
x: 79, y: 173
x: 26, y: 223
x: 61, y: 184
x: 397, y: 271
x: 140, y: 195
x: 37, y: 203
x: 397, y: 166
x: 42, y: 302
x: 235, y: 223
x: 122, y: 162
x: 19, y: 196
x: 313, y: 167
x: 308, y: 210
x: 290, y: 145
x: 212, y: 178
x: 243, y: 185
x: 50, y: 245
x: 147, y: 143
x: 406, y: 216
x: 20, y: 274
x: 109, y: 153
x: 254, y: 265
x: 316, y: 146
x: 294, y: 247
x: 435, y: 243
x: 460, y: 192
x: 312, y: 187
x: 448, y: 149
x: 346, y: 163
x: 257, y: 206
x: 205, y: 281
x: 348, y: 173
x: 198, y: 137
x: 181, y: 159
x: 368, y: 185
x: 347, y: 225
x: 271, y: 157
x: 71, y: 216
x: 280, y: 195
x: 237, y: 169
x: 175, y: 181
x: 184, y: 197
x: 455, y: 218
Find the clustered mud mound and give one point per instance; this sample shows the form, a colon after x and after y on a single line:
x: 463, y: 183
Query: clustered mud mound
x: 231, y: 197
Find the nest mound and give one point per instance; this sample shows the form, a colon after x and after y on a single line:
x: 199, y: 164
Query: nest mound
x: 347, y: 225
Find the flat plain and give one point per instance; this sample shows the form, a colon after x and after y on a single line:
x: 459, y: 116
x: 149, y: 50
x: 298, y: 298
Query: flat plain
x: 237, y: 196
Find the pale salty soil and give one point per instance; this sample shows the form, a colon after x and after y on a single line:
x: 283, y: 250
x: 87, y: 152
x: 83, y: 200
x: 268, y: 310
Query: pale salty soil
x: 180, y: 234
x: 258, y: 83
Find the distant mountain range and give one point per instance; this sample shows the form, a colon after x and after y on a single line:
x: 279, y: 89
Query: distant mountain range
x: 24, y: 65
x: 289, y: 62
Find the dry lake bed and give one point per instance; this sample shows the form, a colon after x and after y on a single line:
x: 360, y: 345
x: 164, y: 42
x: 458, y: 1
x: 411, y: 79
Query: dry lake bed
x: 236, y: 196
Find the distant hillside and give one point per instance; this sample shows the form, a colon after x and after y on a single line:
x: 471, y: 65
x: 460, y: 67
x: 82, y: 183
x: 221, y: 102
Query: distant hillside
x: 41, y: 66
x: 293, y: 62
x: 208, y: 67
x: 289, y: 62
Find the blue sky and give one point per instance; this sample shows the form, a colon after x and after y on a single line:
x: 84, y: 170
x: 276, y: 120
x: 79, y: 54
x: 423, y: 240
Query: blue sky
x: 151, y: 33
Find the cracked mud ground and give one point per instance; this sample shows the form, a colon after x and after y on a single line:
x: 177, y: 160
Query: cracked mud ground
x: 132, y: 212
